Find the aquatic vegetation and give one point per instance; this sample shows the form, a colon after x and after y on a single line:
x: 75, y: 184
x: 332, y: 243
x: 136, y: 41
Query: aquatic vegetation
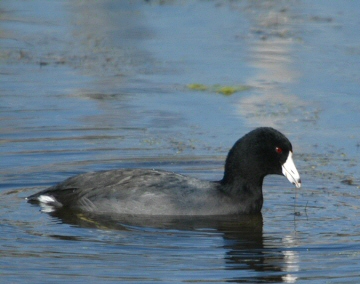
x: 198, y: 87
x: 220, y: 89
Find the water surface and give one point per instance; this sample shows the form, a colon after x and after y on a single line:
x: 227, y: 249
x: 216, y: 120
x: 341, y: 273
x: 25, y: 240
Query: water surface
x: 101, y: 85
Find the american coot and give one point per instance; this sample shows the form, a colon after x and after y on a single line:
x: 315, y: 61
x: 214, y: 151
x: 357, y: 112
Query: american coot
x: 261, y: 152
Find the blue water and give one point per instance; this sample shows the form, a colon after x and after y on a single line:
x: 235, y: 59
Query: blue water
x: 102, y: 85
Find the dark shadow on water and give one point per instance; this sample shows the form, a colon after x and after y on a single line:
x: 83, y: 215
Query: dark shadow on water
x: 242, y: 235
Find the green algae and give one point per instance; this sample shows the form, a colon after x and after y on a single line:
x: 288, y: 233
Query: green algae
x: 220, y: 89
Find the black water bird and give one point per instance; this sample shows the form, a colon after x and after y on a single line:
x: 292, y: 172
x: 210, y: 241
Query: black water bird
x: 261, y: 152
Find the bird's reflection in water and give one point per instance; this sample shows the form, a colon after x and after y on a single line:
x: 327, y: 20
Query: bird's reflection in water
x: 256, y: 259
x: 248, y: 251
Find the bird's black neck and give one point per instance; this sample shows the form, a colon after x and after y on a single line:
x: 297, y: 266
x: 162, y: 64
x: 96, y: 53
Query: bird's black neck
x: 249, y: 196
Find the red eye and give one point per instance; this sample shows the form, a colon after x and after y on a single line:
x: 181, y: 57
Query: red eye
x: 278, y: 150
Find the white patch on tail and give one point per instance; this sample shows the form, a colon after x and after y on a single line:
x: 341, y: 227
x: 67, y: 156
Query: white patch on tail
x: 46, y: 199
